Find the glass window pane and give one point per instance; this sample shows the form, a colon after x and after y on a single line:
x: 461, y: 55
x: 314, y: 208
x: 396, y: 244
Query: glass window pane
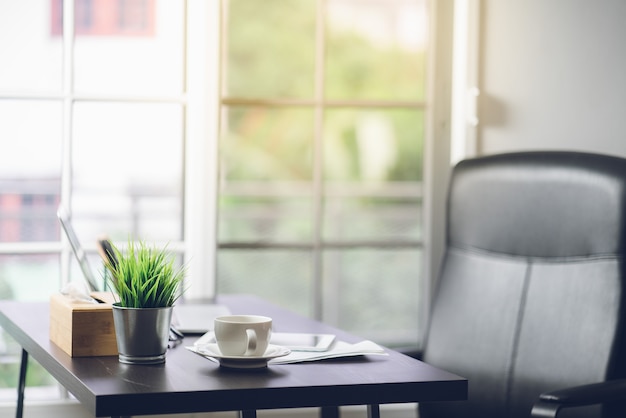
x: 30, y: 170
x: 263, y: 144
x: 376, y: 49
x: 30, y: 53
x: 282, y: 277
x: 371, y: 162
x: 270, y: 48
x: 372, y: 218
x: 373, y: 146
x: 32, y: 277
x: 374, y: 293
x: 258, y: 215
x: 266, y: 163
x: 128, y: 171
x: 40, y: 385
x: 373, y: 168
x: 129, y: 47
x: 29, y: 277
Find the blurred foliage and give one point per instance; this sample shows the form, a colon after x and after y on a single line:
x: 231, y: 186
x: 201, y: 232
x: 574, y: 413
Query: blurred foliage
x: 269, y: 151
x: 271, y: 54
x: 9, y: 350
x: 10, y: 353
x: 6, y: 291
x: 271, y: 48
x: 356, y: 68
x: 268, y: 144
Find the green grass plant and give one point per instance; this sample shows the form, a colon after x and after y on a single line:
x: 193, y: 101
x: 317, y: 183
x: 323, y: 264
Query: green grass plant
x: 144, y: 276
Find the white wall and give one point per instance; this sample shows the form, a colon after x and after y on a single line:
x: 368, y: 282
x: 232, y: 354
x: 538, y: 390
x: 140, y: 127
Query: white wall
x: 552, y: 75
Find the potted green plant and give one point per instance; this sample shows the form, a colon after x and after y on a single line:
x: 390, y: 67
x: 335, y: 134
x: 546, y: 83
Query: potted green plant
x: 146, y: 283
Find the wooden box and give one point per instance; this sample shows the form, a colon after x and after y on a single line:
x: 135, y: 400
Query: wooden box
x: 83, y: 329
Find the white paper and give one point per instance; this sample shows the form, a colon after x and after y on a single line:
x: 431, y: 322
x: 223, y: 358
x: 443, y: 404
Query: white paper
x: 339, y: 349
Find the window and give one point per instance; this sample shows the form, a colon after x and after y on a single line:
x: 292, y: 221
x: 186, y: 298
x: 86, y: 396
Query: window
x: 321, y: 151
x: 314, y: 114
x: 95, y: 115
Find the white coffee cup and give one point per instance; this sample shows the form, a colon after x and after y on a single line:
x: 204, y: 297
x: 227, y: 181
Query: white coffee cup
x: 243, y: 335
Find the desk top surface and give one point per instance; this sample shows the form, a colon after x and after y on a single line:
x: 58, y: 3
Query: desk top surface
x: 189, y: 383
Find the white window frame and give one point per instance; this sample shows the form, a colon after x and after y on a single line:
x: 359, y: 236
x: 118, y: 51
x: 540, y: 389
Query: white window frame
x: 201, y: 156
x: 465, y: 78
x: 322, y: 299
x: 201, y: 102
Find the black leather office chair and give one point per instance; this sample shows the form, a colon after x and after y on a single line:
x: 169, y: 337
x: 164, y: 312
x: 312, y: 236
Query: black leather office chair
x: 531, y: 297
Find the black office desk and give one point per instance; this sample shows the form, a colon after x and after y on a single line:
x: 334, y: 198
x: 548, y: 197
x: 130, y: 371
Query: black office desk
x: 189, y: 383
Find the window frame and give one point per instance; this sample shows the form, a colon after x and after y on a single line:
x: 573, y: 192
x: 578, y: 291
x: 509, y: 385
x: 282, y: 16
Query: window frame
x: 322, y: 310
x: 198, y: 99
x: 201, y: 100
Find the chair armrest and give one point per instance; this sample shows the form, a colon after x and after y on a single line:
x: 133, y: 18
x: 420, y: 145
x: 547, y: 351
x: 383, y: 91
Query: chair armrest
x: 550, y: 403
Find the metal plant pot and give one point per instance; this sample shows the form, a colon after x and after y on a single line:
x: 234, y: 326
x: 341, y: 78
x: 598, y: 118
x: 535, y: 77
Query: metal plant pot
x: 142, y: 333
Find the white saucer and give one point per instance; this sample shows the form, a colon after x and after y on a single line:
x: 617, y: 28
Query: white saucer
x: 241, y: 362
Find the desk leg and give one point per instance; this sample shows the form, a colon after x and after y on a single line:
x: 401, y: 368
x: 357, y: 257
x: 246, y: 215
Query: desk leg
x: 373, y: 411
x: 329, y: 412
x: 21, y: 385
x: 248, y: 413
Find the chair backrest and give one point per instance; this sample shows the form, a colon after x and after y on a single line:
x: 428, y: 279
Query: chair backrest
x: 530, y: 296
